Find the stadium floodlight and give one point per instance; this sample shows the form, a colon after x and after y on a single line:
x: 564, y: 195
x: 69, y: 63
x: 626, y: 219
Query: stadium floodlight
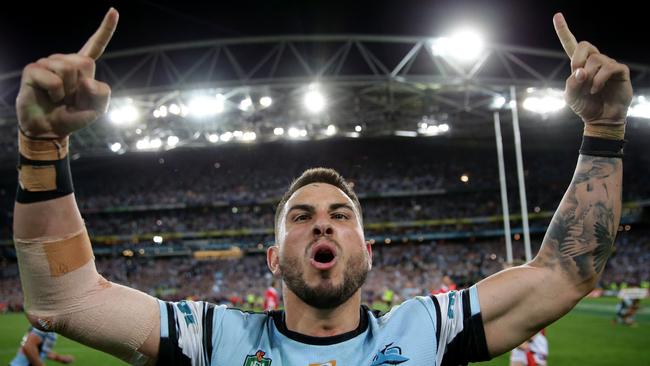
x: 353, y: 135
x: 143, y: 144
x: 163, y: 111
x: 443, y: 128
x: 266, y: 101
x: 314, y: 100
x: 213, y: 137
x: 358, y: 128
x: 115, y: 147
x: 205, y: 106
x: 157, y: 239
x: 172, y: 141
x: 124, y: 115
x: 156, y: 113
x: 330, y: 130
x: 245, y: 104
x: 174, y: 109
x: 226, y: 136
x: 640, y: 108
x: 156, y: 143
x: 237, y: 134
x: 548, y: 101
x: 498, y: 102
x: 463, y: 45
x: 295, y: 133
x: 464, y: 178
x: 249, y: 136
x: 278, y: 131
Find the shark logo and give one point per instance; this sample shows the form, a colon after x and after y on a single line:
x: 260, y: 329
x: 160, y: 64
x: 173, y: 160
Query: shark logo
x: 390, y: 355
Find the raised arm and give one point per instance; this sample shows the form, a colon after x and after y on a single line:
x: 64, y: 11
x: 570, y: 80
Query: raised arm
x: 63, y: 292
x: 518, y: 302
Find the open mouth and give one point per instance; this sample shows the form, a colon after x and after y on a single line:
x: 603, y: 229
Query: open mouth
x: 323, y: 255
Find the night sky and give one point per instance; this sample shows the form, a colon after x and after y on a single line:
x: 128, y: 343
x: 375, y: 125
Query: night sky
x: 29, y: 30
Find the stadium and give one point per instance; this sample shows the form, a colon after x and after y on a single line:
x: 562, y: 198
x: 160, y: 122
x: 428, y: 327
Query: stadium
x: 459, y: 157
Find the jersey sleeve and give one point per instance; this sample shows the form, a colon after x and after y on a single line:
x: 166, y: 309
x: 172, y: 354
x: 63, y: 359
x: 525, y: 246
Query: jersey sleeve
x: 459, y: 328
x: 186, y: 330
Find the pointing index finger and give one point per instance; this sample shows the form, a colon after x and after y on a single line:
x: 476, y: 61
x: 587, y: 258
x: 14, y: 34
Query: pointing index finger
x: 96, y: 44
x: 567, y: 39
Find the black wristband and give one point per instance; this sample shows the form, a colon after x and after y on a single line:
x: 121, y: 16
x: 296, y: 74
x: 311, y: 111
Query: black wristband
x: 63, y: 180
x: 596, y: 146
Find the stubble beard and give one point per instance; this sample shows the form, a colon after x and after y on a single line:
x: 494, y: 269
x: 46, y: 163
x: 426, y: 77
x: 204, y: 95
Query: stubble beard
x: 325, y: 295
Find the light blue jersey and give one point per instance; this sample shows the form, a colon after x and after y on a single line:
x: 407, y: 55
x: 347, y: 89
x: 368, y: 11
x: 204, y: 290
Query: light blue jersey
x: 48, y: 339
x: 444, y: 329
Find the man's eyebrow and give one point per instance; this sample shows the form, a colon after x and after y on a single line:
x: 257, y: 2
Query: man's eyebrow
x: 336, y: 206
x: 302, y: 207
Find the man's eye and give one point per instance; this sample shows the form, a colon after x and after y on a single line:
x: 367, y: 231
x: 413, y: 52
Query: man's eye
x: 301, y: 218
x: 339, y: 216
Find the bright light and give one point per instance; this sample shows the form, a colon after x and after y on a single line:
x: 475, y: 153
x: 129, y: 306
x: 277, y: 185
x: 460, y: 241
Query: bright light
x: 498, y: 102
x: 204, y: 106
x: 124, y: 115
x: 403, y: 133
x: 464, y: 178
x: 172, y: 141
x: 278, y: 131
x: 174, y: 109
x: 143, y: 144
x: 314, y: 101
x: 163, y: 111
x: 331, y: 130
x: 115, y: 147
x: 213, y: 137
x: 297, y: 132
x: 463, y: 45
x: 249, y: 136
x: 358, y: 128
x: 156, y: 113
x: 157, y: 239
x: 544, y: 105
x: 640, y: 108
x: 266, y: 101
x: 245, y: 104
x: 226, y: 136
x: 443, y: 127
x: 156, y: 143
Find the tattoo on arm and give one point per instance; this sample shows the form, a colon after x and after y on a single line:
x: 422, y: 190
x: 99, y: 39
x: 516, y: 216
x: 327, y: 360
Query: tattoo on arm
x: 581, y: 235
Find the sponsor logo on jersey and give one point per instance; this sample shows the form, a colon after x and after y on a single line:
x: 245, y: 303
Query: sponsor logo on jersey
x: 452, y: 300
x: 328, y: 363
x: 390, y: 355
x: 257, y: 359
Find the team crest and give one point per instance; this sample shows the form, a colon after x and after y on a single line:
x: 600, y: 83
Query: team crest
x: 257, y: 359
x: 390, y: 355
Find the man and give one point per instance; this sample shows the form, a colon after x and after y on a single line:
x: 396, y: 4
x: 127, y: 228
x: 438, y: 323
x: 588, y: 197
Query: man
x: 532, y: 352
x: 271, y: 298
x: 320, y: 255
x: 626, y: 311
x: 36, y: 347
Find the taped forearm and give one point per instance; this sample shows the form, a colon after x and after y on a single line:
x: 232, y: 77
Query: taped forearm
x: 64, y: 293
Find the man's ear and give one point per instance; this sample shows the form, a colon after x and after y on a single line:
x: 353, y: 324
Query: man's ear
x: 273, y: 260
x: 369, y: 249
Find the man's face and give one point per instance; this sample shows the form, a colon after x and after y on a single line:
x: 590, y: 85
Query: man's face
x: 321, y: 255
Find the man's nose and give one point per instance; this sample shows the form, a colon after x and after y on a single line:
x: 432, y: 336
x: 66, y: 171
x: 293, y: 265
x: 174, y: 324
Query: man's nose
x: 322, y: 229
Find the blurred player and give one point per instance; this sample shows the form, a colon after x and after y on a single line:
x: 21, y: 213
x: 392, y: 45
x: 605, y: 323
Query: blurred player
x: 35, y: 347
x: 626, y: 311
x: 533, y: 352
x: 271, y: 298
x: 447, y: 285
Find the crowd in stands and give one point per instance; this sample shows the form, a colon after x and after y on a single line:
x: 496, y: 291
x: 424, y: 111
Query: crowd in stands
x: 405, y: 269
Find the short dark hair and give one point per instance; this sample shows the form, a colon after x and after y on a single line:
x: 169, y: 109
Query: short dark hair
x: 318, y: 175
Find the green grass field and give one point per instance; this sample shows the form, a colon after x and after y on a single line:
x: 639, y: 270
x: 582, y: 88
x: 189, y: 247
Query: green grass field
x: 586, y: 336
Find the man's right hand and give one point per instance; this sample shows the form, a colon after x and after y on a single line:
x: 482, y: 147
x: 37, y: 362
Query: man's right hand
x: 59, y: 94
